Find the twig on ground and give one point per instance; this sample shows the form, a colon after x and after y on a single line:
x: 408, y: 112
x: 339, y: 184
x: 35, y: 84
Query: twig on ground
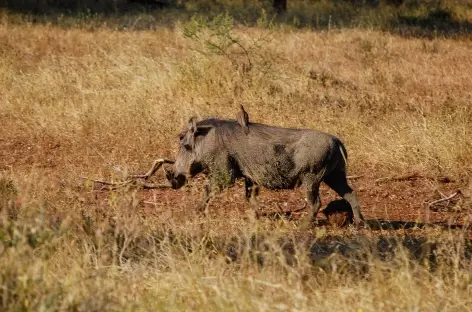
x: 115, y: 185
x: 155, y: 166
x: 152, y: 186
x: 413, y: 176
x: 406, y: 177
x: 300, y: 209
x: 108, y: 183
x: 355, y: 176
x: 444, y: 199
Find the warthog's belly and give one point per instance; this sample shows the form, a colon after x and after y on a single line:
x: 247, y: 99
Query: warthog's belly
x: 282, y: 184
x: 279, y: 175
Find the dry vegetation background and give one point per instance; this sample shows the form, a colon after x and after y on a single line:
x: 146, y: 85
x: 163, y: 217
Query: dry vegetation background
x: 80, y: 102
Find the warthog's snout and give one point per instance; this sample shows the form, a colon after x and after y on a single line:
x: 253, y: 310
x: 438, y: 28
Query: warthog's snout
x: 177, y: 180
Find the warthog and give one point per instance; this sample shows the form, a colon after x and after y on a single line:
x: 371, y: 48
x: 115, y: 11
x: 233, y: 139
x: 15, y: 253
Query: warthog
x: 268, y: 156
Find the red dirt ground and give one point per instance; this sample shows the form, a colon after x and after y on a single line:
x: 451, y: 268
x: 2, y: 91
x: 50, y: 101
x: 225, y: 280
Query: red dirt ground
x: 401, y: 201
x: 404, y: 200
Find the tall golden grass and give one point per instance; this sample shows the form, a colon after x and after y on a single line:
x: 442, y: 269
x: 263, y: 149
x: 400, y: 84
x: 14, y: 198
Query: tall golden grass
x: 77, y: 102
x: 399, y: 104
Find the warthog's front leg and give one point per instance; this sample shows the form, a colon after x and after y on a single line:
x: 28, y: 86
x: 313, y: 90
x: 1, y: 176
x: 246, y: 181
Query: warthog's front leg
x: 252, y: 191
x: 221, y: 176
x: 203, y: 205
x: 211, y: 189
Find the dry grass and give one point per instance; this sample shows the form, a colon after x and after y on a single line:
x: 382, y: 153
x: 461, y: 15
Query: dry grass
x: 79, y: 103
x: 399, y: 104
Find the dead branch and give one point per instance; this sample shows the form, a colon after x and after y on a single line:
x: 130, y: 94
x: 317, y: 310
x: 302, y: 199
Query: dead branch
x: 155, y: 166
x: 355, y: 177
x: 115, y: 185
x: 297, y: 210
x: 133, y: 178
x: 444, y: 199
x: 153, y: 186
x: 413, y: 176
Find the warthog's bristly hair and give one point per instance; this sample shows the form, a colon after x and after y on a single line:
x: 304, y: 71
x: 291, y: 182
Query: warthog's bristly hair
x: 273, y: 157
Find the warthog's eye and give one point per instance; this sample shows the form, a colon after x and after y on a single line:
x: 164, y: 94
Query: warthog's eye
x: 188, y: 147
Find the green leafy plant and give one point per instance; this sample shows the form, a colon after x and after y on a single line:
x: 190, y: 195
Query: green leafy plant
x: 217, y: 36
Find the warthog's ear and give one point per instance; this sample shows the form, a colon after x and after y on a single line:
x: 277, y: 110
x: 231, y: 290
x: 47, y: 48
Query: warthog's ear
x: 192, y: 124
x: 193, y: 131
x: 203, y: 130
x: 197, y: 130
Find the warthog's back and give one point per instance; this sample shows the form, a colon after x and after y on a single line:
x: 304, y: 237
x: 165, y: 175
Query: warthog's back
x: 272, y: 156
x: 266, y: 156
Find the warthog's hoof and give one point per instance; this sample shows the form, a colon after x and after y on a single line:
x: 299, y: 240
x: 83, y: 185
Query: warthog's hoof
x: 339, y: 213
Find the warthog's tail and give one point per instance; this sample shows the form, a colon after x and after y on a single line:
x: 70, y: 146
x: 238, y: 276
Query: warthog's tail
x: 342, y: 149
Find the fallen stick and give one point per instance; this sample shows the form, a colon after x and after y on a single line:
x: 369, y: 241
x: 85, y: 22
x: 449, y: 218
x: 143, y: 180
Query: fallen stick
x: 155, y: 166
x: 413, y: 176
x: 115, y: 185
x: 153, y: 186
x: 355, y: 177
x: 109, y: 183
x: 444, y: 199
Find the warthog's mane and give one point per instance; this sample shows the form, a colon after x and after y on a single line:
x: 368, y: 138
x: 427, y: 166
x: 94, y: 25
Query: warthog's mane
x: 230, y: 127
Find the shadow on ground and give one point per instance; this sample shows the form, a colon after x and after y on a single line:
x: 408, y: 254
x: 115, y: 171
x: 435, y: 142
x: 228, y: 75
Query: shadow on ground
x: 379, y: 224
x: 355, y: 253
x: 408, y: 18
x: 372, y: 224
x: 438, y: 22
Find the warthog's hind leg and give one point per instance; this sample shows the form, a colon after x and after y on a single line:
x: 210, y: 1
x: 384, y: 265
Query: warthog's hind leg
x: 338, y: 182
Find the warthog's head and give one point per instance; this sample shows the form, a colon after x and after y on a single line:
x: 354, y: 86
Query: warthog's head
x: 188, y: 162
